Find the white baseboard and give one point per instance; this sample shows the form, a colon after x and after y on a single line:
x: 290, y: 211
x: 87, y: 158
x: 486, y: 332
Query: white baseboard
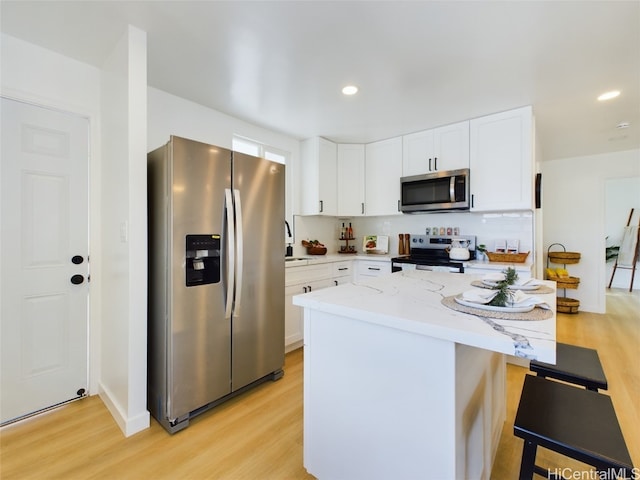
x: 128, y: 425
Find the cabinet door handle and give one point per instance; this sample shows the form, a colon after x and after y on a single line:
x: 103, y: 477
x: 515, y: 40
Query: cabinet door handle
x: 398, y: 205
x: 472, y: 198
x: 304, y: 289
x: 373, y: 268
x: 435, y: 163
x: 309, y: 287
x: 321, y: 206
x: 429, y: 164
x: 336, y: 282
x: 362, y: 208
x: 343, y: 268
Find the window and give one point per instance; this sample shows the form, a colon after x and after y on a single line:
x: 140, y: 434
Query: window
x: 246, y: 146
x: 250, y: 147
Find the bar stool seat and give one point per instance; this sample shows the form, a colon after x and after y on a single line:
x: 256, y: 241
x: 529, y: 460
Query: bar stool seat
x: 574, y: 422
x: 577, y: 365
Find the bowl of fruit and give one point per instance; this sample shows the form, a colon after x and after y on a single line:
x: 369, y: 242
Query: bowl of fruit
x: 314, y: 247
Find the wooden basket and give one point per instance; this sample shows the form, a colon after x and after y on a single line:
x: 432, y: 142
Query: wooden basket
x: 564, y: 257
x: 313, y: 249
x: 567, y: 305
x: 316, y: 250
x: 507, y: 257
x: 568, y: 282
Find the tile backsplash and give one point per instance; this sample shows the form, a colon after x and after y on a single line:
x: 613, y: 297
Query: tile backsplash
x: 487, y: 227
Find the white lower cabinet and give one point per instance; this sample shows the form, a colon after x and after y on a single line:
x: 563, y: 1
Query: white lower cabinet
x: 372, y: 268
x: 293, y: 320
x: 304, y: 279
x: 342, y: 272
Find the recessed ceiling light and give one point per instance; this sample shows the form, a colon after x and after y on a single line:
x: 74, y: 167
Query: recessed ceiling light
x: 623, y: 125
x: 350, y: 90
x: 609, y: 95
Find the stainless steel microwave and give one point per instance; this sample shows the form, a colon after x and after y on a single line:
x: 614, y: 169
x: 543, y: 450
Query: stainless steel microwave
x: 446, y: 190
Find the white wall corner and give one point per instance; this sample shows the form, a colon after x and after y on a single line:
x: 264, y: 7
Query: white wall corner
x: 128, y: 425
x: 124, y: 329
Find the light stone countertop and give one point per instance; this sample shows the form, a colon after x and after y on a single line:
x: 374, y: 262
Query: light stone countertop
x: 332, y: 258
x: 411, y: 301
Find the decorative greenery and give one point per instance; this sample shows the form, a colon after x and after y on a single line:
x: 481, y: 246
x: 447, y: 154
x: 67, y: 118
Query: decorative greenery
x: 510, y: 275
x: 504, y: 294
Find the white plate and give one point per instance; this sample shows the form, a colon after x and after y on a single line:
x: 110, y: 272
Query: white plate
x: 481, y: 306
x: 524, y: 288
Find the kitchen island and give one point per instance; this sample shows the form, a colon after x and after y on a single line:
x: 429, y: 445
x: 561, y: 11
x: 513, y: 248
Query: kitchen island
x: 398, y: 385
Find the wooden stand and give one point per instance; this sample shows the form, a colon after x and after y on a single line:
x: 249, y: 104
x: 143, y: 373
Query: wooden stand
x: 564, y: 304
x: 632, y: 267
x: 346, y: 248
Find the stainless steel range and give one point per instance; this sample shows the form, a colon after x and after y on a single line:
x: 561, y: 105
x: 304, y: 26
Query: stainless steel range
x: 431, y: 252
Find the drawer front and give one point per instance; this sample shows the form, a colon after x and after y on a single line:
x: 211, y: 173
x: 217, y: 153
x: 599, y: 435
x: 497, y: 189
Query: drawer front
x: 373, y: 268
x: 342, y: 269
x: 307, y: 273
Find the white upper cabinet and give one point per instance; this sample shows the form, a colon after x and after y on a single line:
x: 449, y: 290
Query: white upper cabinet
x: 350, y: 180
x: 502, y: 161
x: 438, y: 149
x: 383, y: 169
x: 318, y: 170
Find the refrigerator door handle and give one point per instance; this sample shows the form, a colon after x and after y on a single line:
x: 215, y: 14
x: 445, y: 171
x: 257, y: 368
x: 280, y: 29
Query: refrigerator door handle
x: 239, y: 250
x: 231, y: 251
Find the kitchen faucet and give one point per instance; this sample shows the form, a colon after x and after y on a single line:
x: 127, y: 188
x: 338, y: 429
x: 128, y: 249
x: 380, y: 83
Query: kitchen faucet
x: 289, y: 250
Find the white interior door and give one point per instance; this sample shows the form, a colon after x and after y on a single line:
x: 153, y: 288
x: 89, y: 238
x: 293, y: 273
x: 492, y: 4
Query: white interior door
x: 45, y: 264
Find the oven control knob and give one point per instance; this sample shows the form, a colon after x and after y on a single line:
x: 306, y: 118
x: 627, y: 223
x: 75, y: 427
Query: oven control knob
x: 421, y: 240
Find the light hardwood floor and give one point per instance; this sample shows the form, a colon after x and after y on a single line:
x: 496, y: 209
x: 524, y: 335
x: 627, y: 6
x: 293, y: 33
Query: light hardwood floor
x: 259, y: 434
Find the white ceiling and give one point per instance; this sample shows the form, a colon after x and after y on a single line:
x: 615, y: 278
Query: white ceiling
x: 419, y: 64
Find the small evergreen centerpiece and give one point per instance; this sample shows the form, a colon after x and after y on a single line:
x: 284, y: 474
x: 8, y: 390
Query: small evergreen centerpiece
x: 504, y: 294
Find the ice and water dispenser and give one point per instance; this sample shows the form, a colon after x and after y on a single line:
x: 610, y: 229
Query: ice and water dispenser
x: 202, y: 259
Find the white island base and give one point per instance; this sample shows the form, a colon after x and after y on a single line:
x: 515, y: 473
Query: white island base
x: 382, y: 403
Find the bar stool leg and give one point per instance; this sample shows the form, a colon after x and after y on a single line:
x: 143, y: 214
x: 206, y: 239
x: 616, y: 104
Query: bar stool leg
x: 527, y: 465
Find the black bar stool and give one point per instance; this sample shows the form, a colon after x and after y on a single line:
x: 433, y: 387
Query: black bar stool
x: 572, y: 421
x: 577, y: 365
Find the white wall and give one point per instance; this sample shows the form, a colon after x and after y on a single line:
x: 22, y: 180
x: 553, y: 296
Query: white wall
x: 574, y: 215
x: 124, y: 228
x: 170, y: 115
x: 33, y: 74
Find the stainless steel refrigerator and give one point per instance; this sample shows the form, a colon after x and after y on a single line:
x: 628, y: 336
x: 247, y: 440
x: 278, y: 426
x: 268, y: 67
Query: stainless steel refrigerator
x: 216, y: 277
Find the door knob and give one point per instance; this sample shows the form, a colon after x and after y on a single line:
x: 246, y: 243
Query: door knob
x: 77, y: 279
x: 77, y: 259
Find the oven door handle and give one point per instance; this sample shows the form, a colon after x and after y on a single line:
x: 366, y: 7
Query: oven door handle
x: 437, y: 268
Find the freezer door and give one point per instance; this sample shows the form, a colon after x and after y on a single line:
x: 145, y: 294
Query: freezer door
x: 258, y: 316
x: 199, y: 341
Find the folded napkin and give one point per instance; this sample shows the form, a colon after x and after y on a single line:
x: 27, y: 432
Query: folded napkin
x: 521, y: 299
x: 494, y: 277
x: 479, y: 295
x: 518, y: 298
